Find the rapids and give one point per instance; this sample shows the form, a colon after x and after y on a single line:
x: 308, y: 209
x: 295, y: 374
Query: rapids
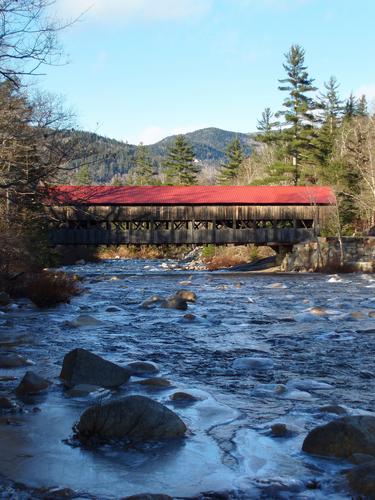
x: 314, y: 341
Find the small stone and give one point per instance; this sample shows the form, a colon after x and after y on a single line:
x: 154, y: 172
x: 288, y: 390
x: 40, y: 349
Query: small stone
x: 141, y: 368
x: 156, y: 383
x: 338, y: 410
x: 279, y: 430
x: 186, y: 295
x: 357, y: 315
x: 189, y: 317
x: 255, y: 364
x: 280, y: 389
x: 152, y: 301
x: 318, y: 311
x: 32, y: 383
x: 6, y: 404
x: 313, y: 484
x: 113, y: 309
x: 84, y: 320
x: 13, y: 361
x: 371, y: 314
x: 82, y: 390
x: 175, y: 303
x: 148, y: 496
x: 183, y: 397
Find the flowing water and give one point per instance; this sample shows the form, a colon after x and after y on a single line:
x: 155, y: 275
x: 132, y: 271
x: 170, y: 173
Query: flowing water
x: 308, y: 360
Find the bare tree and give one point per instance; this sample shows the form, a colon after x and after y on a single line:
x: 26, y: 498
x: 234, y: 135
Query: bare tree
x: 28, y: 37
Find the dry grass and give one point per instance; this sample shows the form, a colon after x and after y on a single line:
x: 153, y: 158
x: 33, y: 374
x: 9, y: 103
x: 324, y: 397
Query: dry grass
x: 47, y: 289
x: 229, y: 256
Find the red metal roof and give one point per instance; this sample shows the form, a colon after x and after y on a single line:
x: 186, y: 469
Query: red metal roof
x: 191, y: 195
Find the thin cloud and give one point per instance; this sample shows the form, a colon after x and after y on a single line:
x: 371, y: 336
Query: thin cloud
x: 123, y: 10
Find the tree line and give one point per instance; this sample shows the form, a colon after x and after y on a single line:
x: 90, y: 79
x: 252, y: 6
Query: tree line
x: 316, y: 138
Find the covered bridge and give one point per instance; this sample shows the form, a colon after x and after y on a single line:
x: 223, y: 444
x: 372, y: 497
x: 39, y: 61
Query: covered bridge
x: 141, y: 215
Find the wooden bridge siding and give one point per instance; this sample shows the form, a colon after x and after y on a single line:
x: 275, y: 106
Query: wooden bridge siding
x: 261, y: 236
x: 190, y: 213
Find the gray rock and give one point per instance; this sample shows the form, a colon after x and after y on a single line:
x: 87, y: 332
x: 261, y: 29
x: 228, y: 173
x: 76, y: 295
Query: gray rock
x: 361, y: 458
x: 4, y: 299
x: 13, y: 361
x: 82, y: 390
x: 134, y: 418
x: 6, y: 404
x: 255, y: 364
x: 84, y: 367
x: 113, y: 309
x: 84, y: 320
x: 175, y: 303
x: 187, y: 295
x: 156, y: 383
x: 152, y: 301
x: 190, y: 317
x: 362, y: 479
x: 342, y: 437
x: 338, y: 410
x: 32, y: 383
x: 141, y: 367
x: 279, y: 430
x: 184, y: 397
x: 148, y: 496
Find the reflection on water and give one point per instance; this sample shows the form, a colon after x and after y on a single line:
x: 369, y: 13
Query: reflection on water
x: 314, y: 335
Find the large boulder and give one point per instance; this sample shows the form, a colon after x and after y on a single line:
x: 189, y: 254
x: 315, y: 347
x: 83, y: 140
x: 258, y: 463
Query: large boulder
x: 134, y: 418
x: 362, y: 479
x: 4, y: 299
x: 342, y: 437
x: 84, y: 367
x: 32, y: 383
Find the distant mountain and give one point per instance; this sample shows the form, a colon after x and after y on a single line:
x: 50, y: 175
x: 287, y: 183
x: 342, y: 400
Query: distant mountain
x: 209, y: 144
x: 109, y: 159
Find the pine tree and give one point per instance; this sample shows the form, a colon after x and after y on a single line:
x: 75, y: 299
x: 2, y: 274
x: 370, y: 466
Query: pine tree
x: 235, y: 157
x: 144, y: 171
x: 299, y: 120
x: 83, y: 176
x: 267, y: 127
x: 331, y: 107
x: 180, y: 168
x: 351, y: 107
x: 362, y: 109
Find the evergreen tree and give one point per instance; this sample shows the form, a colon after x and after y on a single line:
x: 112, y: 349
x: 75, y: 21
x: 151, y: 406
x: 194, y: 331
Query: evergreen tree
x: 267, y: 127
x: 351, y: 107
x: 235, y: 157
x: 299, y: 120
x: 331, y: 108
x: 144, y: 171
x: 83, y: 176
x: 179, y: 165
x: 362, y: 109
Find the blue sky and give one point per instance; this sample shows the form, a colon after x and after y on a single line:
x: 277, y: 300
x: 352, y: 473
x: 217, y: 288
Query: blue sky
x: 140, y: 70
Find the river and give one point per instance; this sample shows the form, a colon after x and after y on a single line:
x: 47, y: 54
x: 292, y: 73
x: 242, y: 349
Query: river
x: 311, y: 358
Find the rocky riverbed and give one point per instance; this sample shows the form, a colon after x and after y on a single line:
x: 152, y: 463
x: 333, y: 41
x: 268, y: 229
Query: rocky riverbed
x: 249, y: 364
